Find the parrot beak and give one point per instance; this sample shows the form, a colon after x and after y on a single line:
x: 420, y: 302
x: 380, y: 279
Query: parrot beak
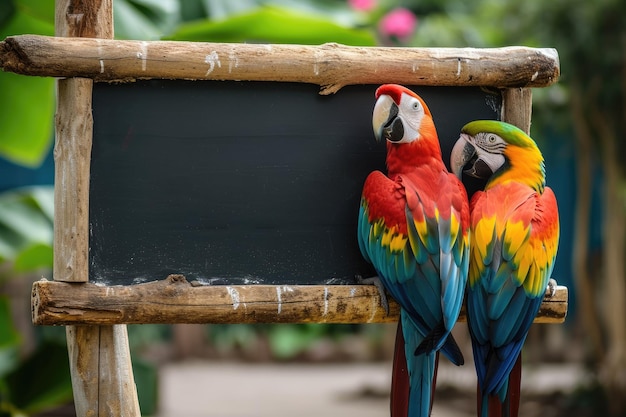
x: 464, y: 154
x: 385, y: 121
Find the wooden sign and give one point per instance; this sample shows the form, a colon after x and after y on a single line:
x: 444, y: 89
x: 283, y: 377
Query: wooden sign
x: 245, y: 176
x: 238, y: 183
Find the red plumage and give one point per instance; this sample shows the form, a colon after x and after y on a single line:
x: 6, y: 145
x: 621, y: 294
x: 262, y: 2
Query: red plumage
x: 413, y: 227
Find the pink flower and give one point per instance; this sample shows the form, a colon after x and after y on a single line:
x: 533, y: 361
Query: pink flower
x: 399, y: 22
x: 362, y: 5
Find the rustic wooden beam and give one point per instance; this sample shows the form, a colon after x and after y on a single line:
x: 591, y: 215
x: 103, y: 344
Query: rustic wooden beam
x: 99, y: 356
x: 331, y: 66
x: 517, y: 107
x: 174, y: 300
x: 102, y: 376
x: 72, y: 160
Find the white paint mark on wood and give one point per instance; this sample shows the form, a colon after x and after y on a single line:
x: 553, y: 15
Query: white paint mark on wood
x: 316, y: 64
x: 279, y: 301
x: 352, y: 291
x: 325, y: 301
x: 75, y: 19
x: 233, y: 60
x: 374, y: 308
x: 143, y: 54
x: 535, y: 75
x: 458, y: 67
x: 212, y: 59
x: 415, y: 67
x: 99, y: 55
x: 234, y: 297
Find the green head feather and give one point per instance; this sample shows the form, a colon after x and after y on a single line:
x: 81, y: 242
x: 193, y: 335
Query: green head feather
x: 508, y: 132
x: 524, y: 162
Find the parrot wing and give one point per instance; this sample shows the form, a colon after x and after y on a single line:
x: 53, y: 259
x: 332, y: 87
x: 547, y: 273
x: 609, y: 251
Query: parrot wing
x: 412, y: 230
x: 514, y: 243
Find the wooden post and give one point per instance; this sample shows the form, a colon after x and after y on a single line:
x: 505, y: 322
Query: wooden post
x: 331, y: 66
x: 102, y: 377
x: 517, y: 107
x: 72, y: 155
x: 174, y: 300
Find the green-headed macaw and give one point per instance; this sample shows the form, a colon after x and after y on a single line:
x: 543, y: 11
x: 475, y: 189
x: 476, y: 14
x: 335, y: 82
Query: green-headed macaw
x: 515, y: 234
x: 414, y: 228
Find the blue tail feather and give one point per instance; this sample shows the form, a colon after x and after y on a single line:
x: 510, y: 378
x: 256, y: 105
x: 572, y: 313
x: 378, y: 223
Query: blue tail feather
x: 421, y: 373
x: 421, y: 369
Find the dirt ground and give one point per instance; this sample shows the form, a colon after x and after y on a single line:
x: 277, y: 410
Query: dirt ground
x: 213, y: 389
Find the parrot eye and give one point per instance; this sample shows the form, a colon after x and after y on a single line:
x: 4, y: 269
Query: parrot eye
x: 416, y: 105
x: 491, y: 138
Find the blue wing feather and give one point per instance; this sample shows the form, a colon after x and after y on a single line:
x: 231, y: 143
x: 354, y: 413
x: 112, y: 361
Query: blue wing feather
x: 500, y: 308
x: 427, y: 277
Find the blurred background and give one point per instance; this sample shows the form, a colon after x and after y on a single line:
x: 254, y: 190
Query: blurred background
x: 574, y: 369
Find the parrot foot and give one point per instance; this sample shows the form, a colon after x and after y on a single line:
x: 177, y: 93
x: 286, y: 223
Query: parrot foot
x: 551, y: 290
x: 375, y: 280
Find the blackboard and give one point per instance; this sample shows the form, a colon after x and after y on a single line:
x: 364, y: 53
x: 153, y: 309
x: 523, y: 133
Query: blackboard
x: 232, y: 182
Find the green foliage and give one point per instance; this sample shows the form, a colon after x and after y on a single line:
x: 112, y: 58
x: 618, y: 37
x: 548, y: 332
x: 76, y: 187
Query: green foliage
x: 26, y: 240
x: 41, y: 382
x: 146, y: 378
x: 272, y: 25
x: 227, y: 337
x: 27, y: 102
x: 332, y: 10
x: 9, y: 339
x: 41, y: 11
x: 288, y: 340
x: 26, y: 218
x: 145, y: 19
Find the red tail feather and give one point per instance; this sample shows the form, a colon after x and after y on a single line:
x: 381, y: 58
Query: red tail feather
x: 510, y: 407
x: 399, y: 378
x: 515, y: 382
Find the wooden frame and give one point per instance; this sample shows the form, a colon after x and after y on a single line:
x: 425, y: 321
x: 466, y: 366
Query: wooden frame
x: 331, y: 66
x: 174, y: 300
x: 83, y: 52
x: 514, y: 70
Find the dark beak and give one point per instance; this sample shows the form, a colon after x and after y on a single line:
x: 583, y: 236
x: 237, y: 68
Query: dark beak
x: 465, y: 159
x: 462, y: 153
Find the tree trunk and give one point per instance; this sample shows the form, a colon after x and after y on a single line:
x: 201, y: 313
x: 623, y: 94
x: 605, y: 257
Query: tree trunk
x: 613, y: 371
x: 585, y: 290
x: 613, y: 368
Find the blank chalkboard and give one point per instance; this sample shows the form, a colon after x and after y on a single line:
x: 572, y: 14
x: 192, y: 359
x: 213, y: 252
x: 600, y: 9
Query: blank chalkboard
x: 240, y: 182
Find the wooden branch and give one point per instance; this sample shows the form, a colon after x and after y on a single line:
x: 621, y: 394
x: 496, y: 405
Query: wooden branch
x: 99, y: 356
x: 118, y: 392
x: 102, y: 377
x: 174, y: 300
x: 74, y: 131
x: 84, y: 359
x: 331, y: 66
x: 517, y: 107
x: 84, y: 18
x: 72, y: 160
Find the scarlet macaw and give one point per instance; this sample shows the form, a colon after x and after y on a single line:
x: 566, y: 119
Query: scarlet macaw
x: 414, y: 228
x: 515, y: 233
